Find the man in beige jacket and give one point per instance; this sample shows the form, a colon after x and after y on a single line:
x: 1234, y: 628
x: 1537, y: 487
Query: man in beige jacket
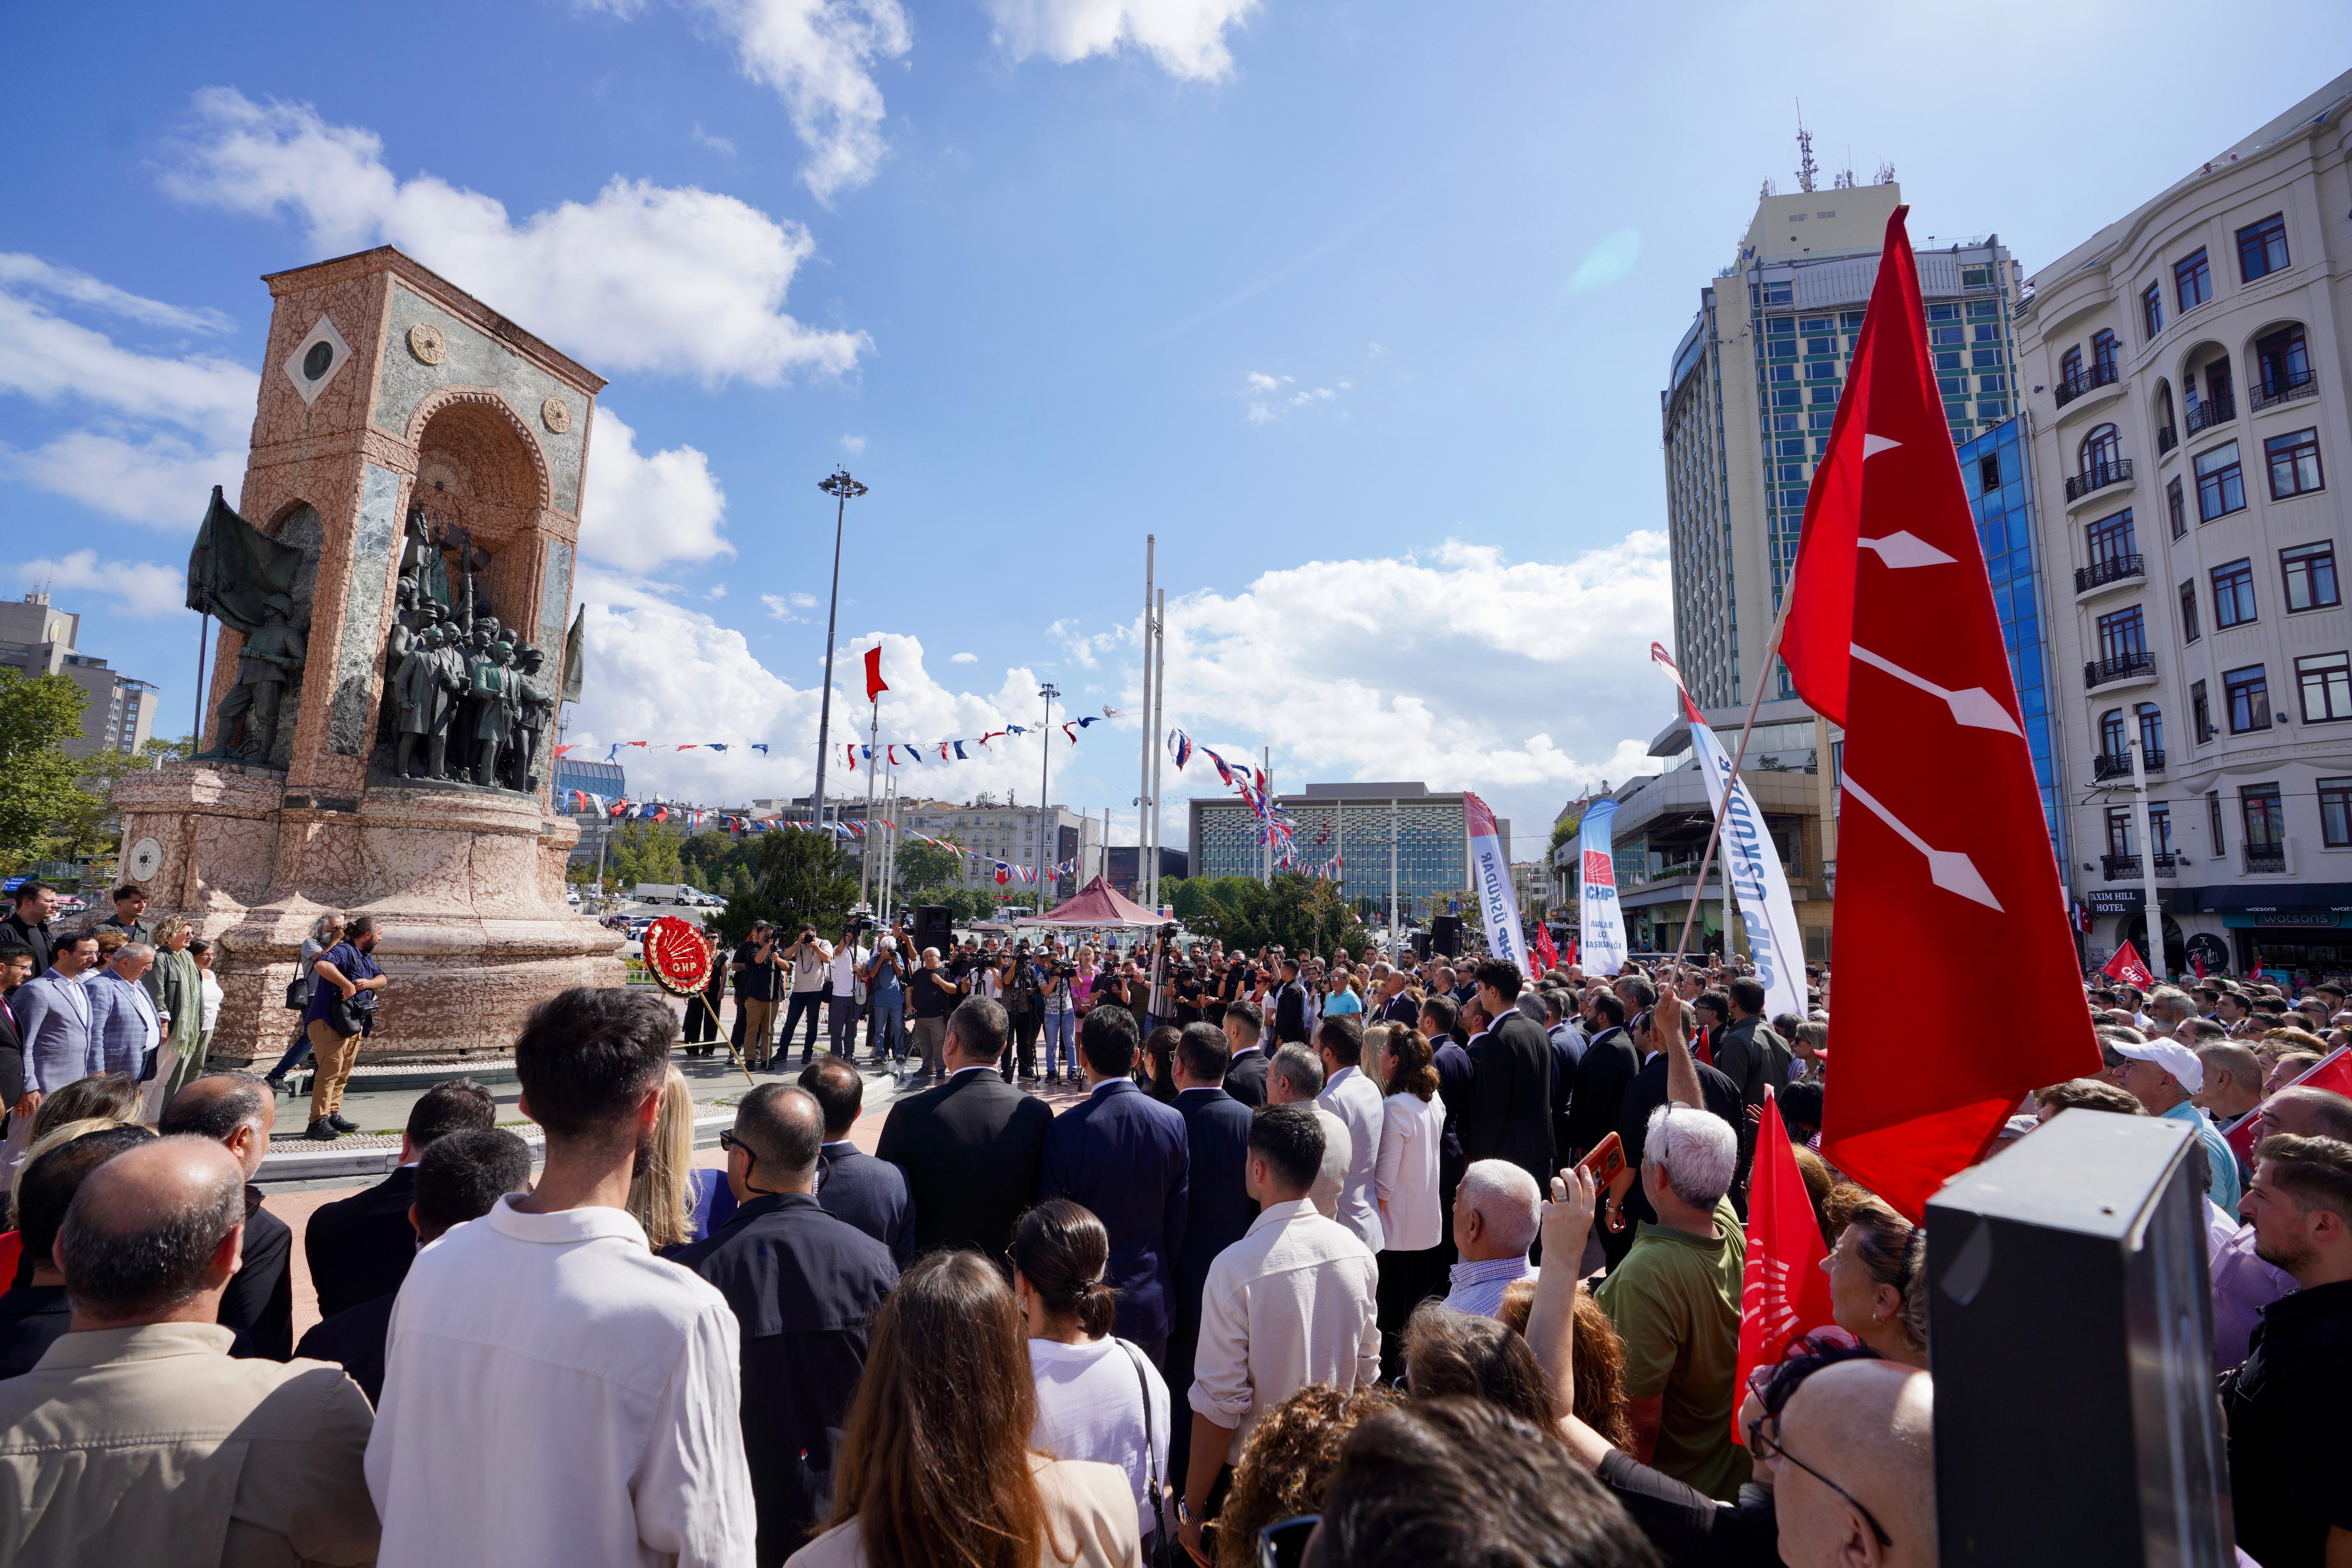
x: 136, y: 1439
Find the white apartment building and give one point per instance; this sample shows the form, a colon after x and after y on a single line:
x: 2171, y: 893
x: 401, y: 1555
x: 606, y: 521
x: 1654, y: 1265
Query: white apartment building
x: 1008, y: 833
x: 39, y: 638
x: 2187, y: 399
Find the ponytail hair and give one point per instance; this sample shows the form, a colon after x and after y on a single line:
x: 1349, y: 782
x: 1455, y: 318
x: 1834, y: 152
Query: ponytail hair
x: 1062, y: 1250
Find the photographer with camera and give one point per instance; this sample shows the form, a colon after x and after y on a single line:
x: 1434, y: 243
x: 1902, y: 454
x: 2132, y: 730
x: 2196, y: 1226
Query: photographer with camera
x: 1021, y: 999
x: 1058, y: 1000
x: 344, y: 983
x: 811, y: 958
x: 758, y: 981
x: 842, y: 1010
x: 935, y: 996
x: 886, y: 991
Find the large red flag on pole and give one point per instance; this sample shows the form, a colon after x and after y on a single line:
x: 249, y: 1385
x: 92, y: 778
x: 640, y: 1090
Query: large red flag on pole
x: 874, y: 684
x: 1547, y: 956
x: 2127, y: 967
x: 1943, y: 851
x: 1783, y: 1290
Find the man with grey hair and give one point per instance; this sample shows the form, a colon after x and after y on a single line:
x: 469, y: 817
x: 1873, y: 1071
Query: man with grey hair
x: 1294, y: 1077
x: 1676, y: 1302
x: 238, y: 1111
x: 1495, y: 1220
x: 933, y: 993
x: 137, y: 1433
x: 125, y: 1026
x: 2170, y: 1007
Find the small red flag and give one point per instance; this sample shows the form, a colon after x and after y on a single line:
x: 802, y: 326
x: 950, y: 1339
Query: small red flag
x: 1547, y: 955
x: 2126, y: 966
x: 874, y: 684
x: 1783, y: 1290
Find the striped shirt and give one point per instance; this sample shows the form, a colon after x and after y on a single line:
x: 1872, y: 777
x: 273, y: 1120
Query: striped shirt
x: 1479, y: 1287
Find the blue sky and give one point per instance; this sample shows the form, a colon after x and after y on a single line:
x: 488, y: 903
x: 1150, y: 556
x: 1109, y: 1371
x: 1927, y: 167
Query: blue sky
x: 1362, y: 309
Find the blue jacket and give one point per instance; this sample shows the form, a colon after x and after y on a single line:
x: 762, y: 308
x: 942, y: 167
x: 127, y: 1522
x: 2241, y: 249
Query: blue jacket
x: 1121, y: 1154
x: 54, y: 1015
x: 1218, y: 1209
x: 123, y: 1023
x: 870, y: 1194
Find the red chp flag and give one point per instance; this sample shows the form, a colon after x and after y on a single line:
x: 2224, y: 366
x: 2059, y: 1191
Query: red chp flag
x: 1943, y: 850
x: 2126, y: 966
x: 1547, y: 955
x: 1783, y: 1290
x: 874, y: 684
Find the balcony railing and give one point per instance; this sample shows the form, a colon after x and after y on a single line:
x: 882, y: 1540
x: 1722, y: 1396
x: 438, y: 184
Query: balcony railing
x: 2126, y: 868
x: 2166, y: 440
x: 2214, y: 411
x: 2272, y: 391
x: 2097, y: 477
x: 2105, y: 764
x: 2261, y: 858
x: 2090, y: 377
x: 2122, y: 667
x: 2113, y: 568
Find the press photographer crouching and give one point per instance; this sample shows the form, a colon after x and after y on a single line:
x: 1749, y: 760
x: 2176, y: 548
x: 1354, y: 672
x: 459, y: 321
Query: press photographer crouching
x: 342, y: 1012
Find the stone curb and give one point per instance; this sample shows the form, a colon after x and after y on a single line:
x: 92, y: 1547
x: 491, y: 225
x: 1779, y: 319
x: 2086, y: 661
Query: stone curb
x: 366, y: 1157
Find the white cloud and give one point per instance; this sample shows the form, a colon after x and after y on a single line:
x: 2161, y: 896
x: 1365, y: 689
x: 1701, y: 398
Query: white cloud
x: 53, y: 361
x: 30, y: 274
x: 1611, y: 261
x: 777, y: 607
x: 158, y: 478
x: 140, y: 587
x: 963, y: 658
x: 1269, y: 399
x: 716, y: 144
x: 644, y: 277
x: 717, y: 591
x: 853, y: 445
x: 642, y: 510
x: 1185, y: 38
x: 817, y: 57
x: 801, y: 600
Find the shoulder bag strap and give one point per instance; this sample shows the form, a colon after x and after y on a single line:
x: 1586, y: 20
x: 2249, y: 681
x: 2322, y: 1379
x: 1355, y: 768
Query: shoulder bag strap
x: 1150, y: 1453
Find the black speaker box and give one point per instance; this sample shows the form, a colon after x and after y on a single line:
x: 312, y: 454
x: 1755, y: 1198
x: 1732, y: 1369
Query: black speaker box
x: 1448, y: 936
x: 934, y: 927
x: 1421, y: 945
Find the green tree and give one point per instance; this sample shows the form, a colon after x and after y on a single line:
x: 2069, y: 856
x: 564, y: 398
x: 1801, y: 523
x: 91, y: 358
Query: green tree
x: 800, y: 879
x: 641, y: 852
x: 920, y: 869
x: 1302, y: 914
x: 37, y: 793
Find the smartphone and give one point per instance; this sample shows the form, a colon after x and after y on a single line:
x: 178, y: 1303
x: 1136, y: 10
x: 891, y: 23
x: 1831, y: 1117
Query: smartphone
x: 1605, y: 1161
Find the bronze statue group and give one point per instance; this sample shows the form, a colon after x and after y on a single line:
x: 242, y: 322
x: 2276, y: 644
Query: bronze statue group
x: 456, y: 681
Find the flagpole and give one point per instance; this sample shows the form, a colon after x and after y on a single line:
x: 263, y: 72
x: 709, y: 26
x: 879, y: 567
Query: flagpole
x: 2154, y: 957
x: 1159, y: 709
x: 841, y: 487
x: 1394, y: 815
x: 1763, y: 676
x: 1151, y: 732
x: 866, y: 848
x: 1044, y: 785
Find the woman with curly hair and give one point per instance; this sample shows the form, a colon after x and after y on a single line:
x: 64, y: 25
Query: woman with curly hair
x: 1289, y: 1459
x: 1599, y: 1392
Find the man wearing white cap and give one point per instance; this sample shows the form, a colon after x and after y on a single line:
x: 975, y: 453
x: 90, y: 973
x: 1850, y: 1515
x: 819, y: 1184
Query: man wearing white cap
x: 2162, y: 1075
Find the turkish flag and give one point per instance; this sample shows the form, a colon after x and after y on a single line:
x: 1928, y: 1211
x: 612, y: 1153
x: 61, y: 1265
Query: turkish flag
x: 2127, y: 967
x: 1783, y: 1291
x: 874, y: 684
x: 1547, y: 955
x: 1942, y: 845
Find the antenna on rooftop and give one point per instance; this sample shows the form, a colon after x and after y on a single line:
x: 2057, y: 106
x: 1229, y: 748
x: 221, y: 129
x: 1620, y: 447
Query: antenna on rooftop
x: 1885, y: 175
x: 1844, y: 181
x: 1807, y: 170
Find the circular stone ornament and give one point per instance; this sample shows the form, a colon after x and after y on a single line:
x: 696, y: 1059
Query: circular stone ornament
x: 557, y: 413
x: 145, y: 859
x: 424, y: 341
x: 677, y: 956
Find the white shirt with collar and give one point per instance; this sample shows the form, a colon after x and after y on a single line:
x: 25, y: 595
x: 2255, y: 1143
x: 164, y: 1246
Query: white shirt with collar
x: 555, y: 1393
x: 1292, y: 1303
x: 1356, y: 1101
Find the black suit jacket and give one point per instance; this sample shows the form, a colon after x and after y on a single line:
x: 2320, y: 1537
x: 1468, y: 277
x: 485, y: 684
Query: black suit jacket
x: 359, y: 1247
x: 1218, y: 1208
x: 1454, y: 1073
x: 1245, y: 1078
x: 354, y: 1340
x: 1290, y: 1014
x: 12, y: 1058
x: 1122, y: 1155
x: 1607, y: 1066
x: 871, y: 1194
x: 1510, y: 1098
x: 972, y: 1149
x: 259, y: 1300
x: 1645, y: 1094
x: 803, y: 1286
x: 32, y: 1319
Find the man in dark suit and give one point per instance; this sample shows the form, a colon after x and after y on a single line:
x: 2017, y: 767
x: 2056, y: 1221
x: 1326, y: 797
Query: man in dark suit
x: 1290, y: 1007
x: 460, y: 1176
x: 16, y: 969
x: 1510, y: 1095
x: 1218, y: 1208
x: 1454, y: 1074
x: 238, y: 1111
x: 1245, y: 1029
x: 1604, y: 1070
x: 853, y: 1186
x: 803, y: 1286
x: 971, y: 1146
x: 359, y: 1247
x: 1121, y: 1154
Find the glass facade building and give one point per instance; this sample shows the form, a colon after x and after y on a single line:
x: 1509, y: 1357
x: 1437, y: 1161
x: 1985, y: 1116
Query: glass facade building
x: 1996, y: 468
x: 605, y: 779
x: 1432, y: 870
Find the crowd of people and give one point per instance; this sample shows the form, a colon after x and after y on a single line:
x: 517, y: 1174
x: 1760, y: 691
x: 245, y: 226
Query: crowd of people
x: 1314, y: 1270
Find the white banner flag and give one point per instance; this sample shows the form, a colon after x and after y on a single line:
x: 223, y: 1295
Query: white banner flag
x: 1604, y: 920
x: 1490, y: 875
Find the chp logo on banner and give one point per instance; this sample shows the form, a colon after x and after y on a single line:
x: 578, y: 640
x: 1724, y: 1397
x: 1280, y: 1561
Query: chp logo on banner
x: 1603, y: 935
x: 1490, y: 874
x: 2127, y: 967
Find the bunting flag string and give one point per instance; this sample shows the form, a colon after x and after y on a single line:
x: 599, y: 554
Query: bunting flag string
x: 951, y: 750
x: 1179, y: 747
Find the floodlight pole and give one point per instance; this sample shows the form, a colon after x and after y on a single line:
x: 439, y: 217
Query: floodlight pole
x: 841, y: 487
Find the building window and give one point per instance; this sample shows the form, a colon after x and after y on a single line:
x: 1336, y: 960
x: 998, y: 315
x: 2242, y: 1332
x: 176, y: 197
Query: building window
x: 2159, y: 827
x: 2070, y: 366
x: 2325, y: 680
x: 2151, y: 731
x: 2261, y: 247
x: 2192, y: 282
x: 2189, y: 631
x: 2293, y: 461
x: 2151, y: 310
x: 2264, y: 815
x: 2283, y: 360
x: 1989, y: 472
x: 2111, y: 733
x: 2119, y: 827
x: 2248, y: 693
x: 2310, y: 574
x: 2214, y: 820
x: 2176, y: 507
x: 2123, y: 637
x: 2335, y: 813
x: 2100, y: 451
x: 2105, y: 351
x: 2111, y: 538
x: 2221, y: 483
x: 2233, y: 594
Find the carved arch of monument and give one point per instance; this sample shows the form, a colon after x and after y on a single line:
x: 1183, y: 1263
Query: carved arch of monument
x: 472, y: 447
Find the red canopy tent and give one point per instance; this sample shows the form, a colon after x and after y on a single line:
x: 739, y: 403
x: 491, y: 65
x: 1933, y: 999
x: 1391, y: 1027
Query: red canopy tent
x: 1096, y: 906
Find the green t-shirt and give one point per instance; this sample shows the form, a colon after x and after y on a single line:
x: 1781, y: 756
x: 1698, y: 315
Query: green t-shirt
x: 1676, y: 1302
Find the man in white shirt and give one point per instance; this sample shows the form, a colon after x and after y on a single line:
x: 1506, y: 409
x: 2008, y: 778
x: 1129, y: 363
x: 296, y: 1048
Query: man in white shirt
x: 553, y: 1391
x: 1356, y: 1101
x: 843, y: 1017
x: 1494, y: 1223
x: 1292, y: 1303
x: 1294, y: 1077
x: 811, y: 958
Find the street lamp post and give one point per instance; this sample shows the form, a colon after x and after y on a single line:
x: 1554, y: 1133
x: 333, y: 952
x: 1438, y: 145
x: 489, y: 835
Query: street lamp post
x: 841, y: 487
x: 1045, y: 786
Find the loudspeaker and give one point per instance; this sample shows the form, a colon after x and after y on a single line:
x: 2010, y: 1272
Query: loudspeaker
x: 934, y: 927
x: 1447, y: 938
x: 1421, y: 945
x: 2073, y: 1264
